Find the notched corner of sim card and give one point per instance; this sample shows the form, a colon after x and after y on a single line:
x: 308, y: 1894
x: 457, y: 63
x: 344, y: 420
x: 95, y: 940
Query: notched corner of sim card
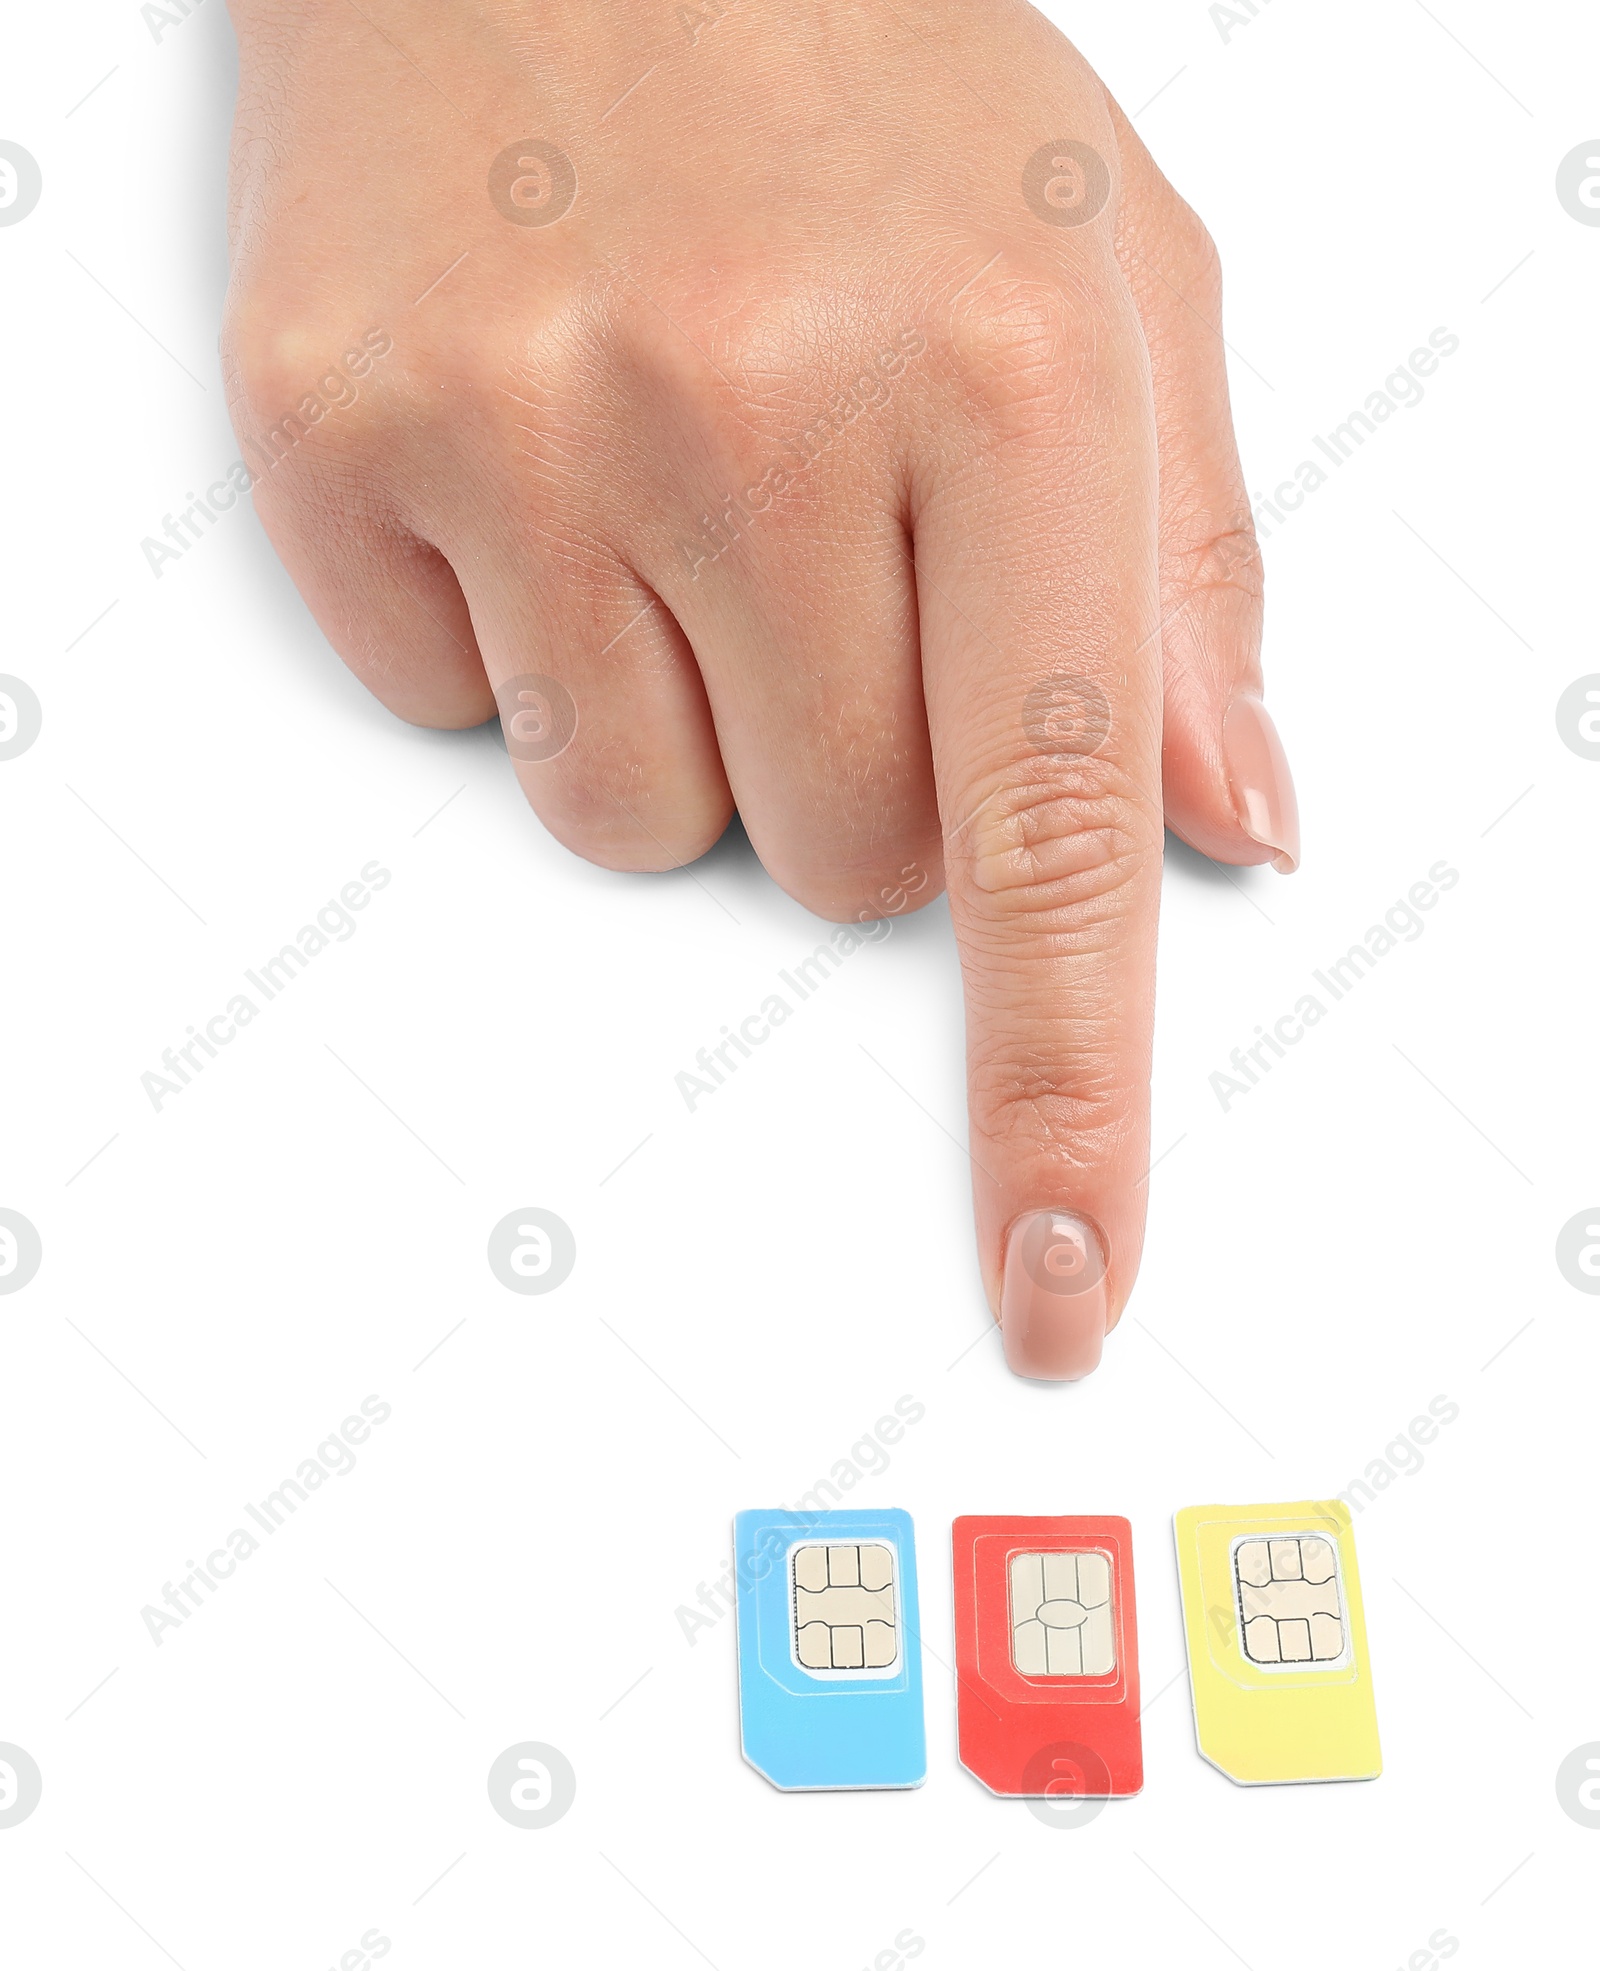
x: 755, y: 1765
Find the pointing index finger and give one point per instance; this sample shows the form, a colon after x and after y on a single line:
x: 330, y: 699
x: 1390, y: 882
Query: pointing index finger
x: 1037, y: 575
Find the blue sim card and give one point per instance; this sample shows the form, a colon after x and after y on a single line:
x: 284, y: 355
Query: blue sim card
x: 830, y: 1649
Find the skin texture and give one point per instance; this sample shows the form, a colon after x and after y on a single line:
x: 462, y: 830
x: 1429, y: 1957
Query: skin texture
x: 816, y: 263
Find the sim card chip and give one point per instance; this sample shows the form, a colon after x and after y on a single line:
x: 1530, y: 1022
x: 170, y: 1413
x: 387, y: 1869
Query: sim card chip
x: 844, y: 1608
x: 1290, y: 1612
x: 1061, y: 1617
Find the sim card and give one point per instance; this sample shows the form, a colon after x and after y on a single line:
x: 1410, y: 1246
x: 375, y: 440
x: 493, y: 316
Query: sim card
x: 1277, y: 1642
x: 830, y: 1649
x: 1047, y: 1656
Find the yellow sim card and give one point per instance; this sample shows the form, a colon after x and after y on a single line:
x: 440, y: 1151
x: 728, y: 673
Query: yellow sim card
x: 1277, y: 1642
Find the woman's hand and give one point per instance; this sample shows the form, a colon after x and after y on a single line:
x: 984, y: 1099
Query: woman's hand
x: 820, y: 410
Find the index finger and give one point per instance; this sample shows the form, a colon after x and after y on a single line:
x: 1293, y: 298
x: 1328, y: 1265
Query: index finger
x: 1036, y: 561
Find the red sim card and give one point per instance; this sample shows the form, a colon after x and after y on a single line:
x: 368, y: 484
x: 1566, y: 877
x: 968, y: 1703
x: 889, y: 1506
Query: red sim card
x: 1047, y: 1656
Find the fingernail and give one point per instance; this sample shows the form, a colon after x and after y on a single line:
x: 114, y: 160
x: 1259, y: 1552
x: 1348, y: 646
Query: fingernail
x: 1258, y: 775
x: 1053, y: 1301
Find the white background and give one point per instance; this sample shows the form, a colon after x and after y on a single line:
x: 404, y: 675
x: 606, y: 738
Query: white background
x: 1372, y: 1227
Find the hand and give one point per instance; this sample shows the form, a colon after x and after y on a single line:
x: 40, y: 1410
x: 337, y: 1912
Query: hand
x: 818, y: 409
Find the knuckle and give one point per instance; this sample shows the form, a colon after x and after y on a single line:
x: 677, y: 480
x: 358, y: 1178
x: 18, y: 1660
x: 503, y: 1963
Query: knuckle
x: 505, y: 387
x: 1200, y: 260
x: 543, y: 356
x: 1035, y: 346
x: 1192, y: 257
x: 768, y: 372
x: 1067, y: 1097
x: 519, y: 404
x: 1062, y: 854
x: 290, y: 372
x: 1230, y: 559
x: 1170, y: 248
x: 286, y: 361
x: 257, y: 345
x: 679, y: 347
